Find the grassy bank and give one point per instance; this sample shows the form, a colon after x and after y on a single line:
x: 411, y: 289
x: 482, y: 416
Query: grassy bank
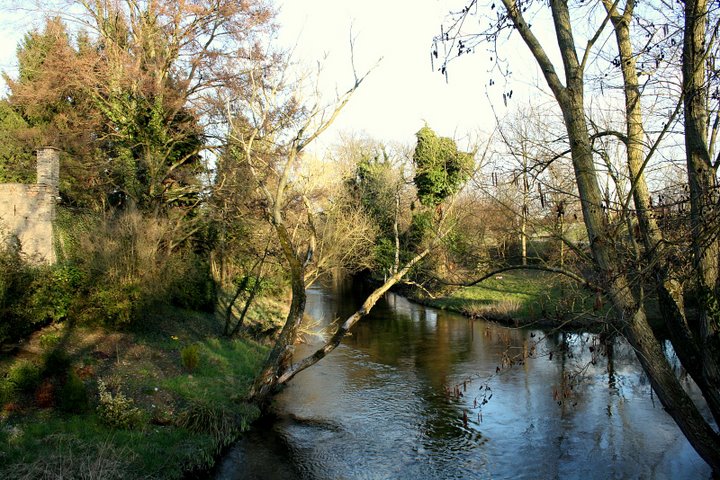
x: 524, y: 298
x: 156, y: 402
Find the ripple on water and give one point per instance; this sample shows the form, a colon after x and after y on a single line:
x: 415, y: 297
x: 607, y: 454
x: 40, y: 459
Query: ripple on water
x: 378, y: 408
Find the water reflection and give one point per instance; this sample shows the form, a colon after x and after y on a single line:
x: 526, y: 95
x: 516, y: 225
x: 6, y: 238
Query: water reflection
x: 402, y: 397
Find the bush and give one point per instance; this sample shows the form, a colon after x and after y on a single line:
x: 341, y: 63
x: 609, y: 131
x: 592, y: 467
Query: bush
x: 117, y: 411
x: 55, y: 293
x: 73, y: 395
x: 123, y: 266
x: 190, y: 356
x: 191, y: 284
x: 112, y: 305
x: 25, y: 376
x: 56, y: 362
x: 49, y: 340
x: 16, y: 280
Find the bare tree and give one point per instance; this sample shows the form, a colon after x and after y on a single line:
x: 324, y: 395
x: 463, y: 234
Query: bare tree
x: 611, y: 243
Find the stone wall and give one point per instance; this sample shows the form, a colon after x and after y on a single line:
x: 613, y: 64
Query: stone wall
x: 27, y: 211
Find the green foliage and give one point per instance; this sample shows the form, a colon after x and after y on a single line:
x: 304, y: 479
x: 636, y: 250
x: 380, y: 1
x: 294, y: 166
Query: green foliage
x: 112, y: 305
x: 16, y: 159
x: 117, y: 269
x: 376, y: 185
x: 191, y: 284
x: 55, y: 362
x: 16, y: 279
x: 117, y: 410
x: 440, y: 168
x: 24, y: 375
x: 73, y: 395
x: 384, y: 254
x: 49, y: 340
x: 190, y: 357
x: 54, y: 293
x: 420, y: 226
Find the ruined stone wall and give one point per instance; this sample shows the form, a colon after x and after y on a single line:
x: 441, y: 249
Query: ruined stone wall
x: 27, y: 211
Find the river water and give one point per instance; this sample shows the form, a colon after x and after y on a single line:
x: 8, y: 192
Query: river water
x: 417, y: 393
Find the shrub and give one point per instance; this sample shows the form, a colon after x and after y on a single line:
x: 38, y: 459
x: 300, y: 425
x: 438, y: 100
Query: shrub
x: 55, y: 292
x: 16, y: 279
x: 113, y: 305
x: 191, y: 284
x: 49, y: 340
x: 190, y: 356
x: 25, y: 375
x: 123, y: 265
x: 73, y: 395
x: 56, y: 362
x: 117, y: 411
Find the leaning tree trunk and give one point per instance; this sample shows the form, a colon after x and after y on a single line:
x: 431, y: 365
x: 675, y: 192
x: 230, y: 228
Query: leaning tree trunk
x: 280, y: 356
x: 279, y: 369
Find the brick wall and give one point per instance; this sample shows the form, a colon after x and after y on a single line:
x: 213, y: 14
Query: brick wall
x: 27, y: 211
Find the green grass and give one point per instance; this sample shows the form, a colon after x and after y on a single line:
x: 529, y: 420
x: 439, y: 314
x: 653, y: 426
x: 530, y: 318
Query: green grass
x: 521, y: 297
x: 80, y: 446
x: 187, y: 416
x: 236, y: 361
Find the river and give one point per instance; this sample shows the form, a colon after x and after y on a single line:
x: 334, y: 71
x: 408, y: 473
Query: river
x: 417, y: 393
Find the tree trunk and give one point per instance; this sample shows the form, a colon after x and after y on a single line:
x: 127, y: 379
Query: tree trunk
x: 280, y: 357
x: 609, y: 269
x: 339, y: 334
x: 396, y: 233
x: 703, y: 186
x: 670, y: 294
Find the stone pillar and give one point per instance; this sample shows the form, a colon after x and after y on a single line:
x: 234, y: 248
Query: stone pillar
x: 48, y: 168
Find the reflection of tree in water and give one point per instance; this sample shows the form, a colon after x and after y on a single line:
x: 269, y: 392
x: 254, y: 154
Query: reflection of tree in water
x: 409, y: 385
x: 579, y: 359
x: 430, y: 346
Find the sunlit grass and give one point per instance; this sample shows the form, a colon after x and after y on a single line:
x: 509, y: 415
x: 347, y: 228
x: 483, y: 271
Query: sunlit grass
x: 521, y: 297
x: 177, y: 405
x: 236, y: 361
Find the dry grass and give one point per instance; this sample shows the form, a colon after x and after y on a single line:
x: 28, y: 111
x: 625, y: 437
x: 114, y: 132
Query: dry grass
x: 67, y: 457
x: 501, y: 308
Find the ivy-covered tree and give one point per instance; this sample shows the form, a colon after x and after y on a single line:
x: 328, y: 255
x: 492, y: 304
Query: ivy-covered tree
x: 440, y: 169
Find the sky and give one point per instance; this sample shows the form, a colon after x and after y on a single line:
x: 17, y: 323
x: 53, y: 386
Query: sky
x: 403, y: 91
x: 400, y: 95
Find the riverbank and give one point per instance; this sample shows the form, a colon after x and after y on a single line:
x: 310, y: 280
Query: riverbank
x: 524, y: 299
x: 157, y: 402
